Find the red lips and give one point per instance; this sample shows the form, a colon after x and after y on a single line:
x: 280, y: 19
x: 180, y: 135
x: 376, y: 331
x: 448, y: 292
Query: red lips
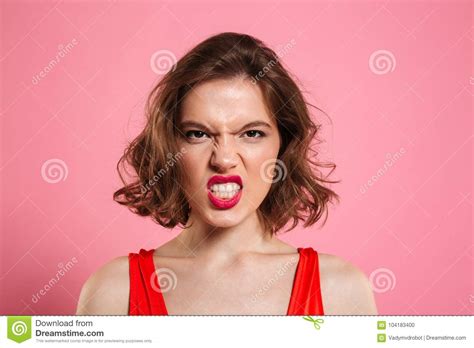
x: 219, y: 179
x: 220, y: 203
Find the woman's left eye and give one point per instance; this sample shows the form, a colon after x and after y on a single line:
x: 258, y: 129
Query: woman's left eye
x: 254, y: 134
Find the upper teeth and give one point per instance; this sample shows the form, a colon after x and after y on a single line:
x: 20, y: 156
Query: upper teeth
x: 229, y: 187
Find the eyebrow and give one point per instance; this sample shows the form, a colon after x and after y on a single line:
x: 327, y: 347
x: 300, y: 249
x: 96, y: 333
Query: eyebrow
x: 203, y: 127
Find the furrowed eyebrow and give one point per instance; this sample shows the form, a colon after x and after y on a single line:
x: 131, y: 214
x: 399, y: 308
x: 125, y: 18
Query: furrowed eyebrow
x: 204, y: 128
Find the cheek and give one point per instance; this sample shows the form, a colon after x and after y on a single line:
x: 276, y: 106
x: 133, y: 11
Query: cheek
x: 259, y: 165
x: 259, y: 156
x: 194, y: 167
x: 193, y: 155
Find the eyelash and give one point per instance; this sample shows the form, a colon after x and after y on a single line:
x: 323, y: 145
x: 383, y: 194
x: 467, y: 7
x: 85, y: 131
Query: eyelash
x: 262, y: 134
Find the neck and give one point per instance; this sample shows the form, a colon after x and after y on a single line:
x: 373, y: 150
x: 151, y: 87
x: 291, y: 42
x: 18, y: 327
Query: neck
x: 202, y: 239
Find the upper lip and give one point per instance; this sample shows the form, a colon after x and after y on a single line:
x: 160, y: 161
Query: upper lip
x: 220, y: 179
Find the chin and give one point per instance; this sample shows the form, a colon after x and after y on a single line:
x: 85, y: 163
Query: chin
x: 222, y: 218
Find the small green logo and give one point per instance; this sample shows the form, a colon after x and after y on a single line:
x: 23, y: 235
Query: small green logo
x: 381, y: 325
x: 381, y: 337
x: 315, y: 322
x: 19, y: 328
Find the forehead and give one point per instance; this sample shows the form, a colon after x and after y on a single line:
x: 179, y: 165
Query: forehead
x: 225, y: 102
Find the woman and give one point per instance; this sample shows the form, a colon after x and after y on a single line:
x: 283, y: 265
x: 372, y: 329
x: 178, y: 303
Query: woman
x: 225, y: 154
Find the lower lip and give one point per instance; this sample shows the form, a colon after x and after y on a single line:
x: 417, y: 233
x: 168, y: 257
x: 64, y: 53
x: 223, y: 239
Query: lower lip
x: 224, y: 204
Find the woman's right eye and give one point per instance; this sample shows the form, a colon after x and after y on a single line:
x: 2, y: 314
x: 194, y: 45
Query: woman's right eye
x: 197, y: 134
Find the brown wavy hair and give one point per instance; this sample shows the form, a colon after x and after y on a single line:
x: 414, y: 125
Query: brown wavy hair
x: 302, y: 195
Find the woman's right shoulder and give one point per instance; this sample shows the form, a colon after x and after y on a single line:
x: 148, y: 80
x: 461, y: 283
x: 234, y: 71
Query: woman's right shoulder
x: 107, y: 290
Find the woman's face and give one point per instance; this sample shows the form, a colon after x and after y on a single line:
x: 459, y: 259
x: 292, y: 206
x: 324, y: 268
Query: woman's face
x: 231, y: 144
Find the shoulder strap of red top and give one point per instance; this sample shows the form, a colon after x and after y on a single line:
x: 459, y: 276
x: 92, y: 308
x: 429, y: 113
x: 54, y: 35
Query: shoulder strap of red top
x: 145, y: 294
x: 306, y: 296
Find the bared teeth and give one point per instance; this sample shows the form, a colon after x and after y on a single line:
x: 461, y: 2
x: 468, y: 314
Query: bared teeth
x: 228, y: 187
x: 225, y: 194
x: 225, y: 191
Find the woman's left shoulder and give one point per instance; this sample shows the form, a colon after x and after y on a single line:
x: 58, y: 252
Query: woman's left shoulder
x: 345, y: 288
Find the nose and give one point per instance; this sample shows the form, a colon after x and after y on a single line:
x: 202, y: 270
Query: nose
x: 224, y: 155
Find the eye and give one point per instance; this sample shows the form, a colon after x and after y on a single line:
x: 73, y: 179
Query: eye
x: 254, y: 133
x: 197, y: 134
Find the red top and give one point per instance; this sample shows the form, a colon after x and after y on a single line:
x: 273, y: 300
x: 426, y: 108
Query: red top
x: 147, y: 299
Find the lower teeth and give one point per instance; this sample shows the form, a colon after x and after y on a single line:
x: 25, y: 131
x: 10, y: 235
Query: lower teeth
x: 218, y: 195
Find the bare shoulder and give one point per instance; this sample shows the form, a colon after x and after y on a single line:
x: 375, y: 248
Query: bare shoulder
x: 345, y: 288
x: 107, y: 290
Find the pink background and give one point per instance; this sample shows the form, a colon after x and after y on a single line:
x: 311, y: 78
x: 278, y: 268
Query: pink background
x: 409, y: 230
